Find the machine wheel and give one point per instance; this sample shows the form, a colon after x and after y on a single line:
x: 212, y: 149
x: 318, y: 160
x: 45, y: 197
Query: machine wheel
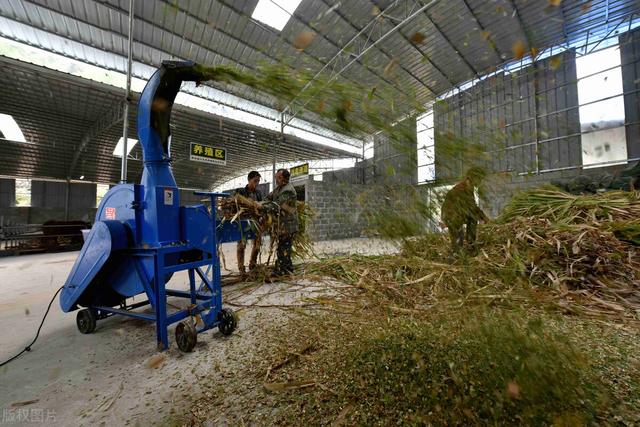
x: 86, y: 321
x: 228, y: 321
x: 186, y: 335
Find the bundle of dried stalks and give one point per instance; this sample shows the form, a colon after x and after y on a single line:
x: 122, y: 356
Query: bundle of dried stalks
x: 267, y: 222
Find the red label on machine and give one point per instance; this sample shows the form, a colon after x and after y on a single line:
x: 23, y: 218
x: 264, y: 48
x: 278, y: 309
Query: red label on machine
x: 110, y: 213
x: 168, y: 196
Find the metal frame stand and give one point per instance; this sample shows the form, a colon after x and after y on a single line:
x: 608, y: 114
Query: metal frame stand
x: 202, y: 300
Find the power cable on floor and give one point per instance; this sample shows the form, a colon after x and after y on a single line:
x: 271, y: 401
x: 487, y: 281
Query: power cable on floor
x: 28, y: 348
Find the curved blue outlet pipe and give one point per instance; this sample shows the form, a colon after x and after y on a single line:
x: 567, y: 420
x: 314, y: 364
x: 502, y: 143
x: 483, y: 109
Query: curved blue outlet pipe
x: 160, y: 222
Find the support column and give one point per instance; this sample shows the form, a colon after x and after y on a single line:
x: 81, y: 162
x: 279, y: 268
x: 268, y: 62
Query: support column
x: 125, y: 125
x: 275, y: 150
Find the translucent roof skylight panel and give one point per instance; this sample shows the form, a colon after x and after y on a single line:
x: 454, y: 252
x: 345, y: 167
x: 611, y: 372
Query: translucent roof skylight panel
x: 93, y: 56
x: 275, y: 13
x: 12, y: 29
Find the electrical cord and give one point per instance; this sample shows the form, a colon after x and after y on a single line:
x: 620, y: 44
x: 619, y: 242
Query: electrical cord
x: 28, y: 347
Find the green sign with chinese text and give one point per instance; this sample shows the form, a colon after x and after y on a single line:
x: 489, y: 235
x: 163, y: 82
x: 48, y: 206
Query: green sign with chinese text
x: 208, y: 154
x: 299, y: 171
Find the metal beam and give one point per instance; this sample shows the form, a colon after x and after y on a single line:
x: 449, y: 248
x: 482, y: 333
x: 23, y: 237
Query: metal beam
x: 349, y: 56
x: 426, y: 57
x: 409, y: 72
x: 266, y: 28
x: 127, y: 99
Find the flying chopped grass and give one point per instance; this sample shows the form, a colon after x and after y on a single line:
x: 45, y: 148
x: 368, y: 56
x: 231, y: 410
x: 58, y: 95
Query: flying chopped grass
x: 303, y: 40
x: 417, y: 38
x: 519, y: 49
x: 555, y: 62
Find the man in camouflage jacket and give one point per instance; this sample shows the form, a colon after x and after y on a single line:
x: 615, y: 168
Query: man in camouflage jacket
x: 459, y: 209
x: 285, y: 196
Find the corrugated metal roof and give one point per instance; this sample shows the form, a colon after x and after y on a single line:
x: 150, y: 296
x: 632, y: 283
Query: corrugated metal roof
x: 462, y: 38
x: 55, y: 110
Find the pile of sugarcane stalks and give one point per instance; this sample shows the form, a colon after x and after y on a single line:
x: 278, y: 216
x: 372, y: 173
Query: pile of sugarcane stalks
x: 577, y: 253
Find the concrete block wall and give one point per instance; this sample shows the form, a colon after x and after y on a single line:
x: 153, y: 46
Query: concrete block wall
x: 338, y: 208
x: 395, y: 156
x: 343, y: 208
x: 53, y: 194
x: 345, y: 176
x: 48, y: 200
x: 35, y: 215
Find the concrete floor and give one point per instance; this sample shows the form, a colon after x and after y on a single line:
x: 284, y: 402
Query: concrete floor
x: 115, y: 375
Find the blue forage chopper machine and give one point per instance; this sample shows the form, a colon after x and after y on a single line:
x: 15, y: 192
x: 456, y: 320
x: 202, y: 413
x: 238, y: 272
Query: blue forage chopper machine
x: 142, y: 236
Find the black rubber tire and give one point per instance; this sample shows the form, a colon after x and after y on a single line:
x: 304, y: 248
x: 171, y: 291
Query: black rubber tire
x: 228, y: 322
x: 186, y: 336
x: 86, y: 321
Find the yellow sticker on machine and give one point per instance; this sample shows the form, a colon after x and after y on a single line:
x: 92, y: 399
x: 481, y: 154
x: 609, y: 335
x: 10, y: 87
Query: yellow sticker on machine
x: 208, y: 154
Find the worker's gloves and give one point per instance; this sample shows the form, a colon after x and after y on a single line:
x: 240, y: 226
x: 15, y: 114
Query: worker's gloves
x: 269, y: 207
